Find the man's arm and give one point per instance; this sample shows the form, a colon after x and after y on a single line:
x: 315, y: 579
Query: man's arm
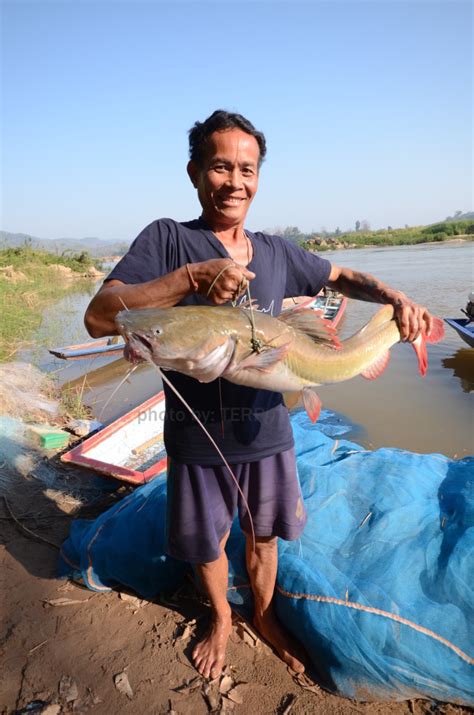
x: 411, y: 317
x: 164, y: 292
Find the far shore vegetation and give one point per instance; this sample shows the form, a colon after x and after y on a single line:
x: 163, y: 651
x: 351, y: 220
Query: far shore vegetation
x: 363, y: 237
x: 31, y: 279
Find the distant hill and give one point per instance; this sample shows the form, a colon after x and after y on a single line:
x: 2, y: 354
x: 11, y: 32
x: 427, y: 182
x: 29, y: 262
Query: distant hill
x: 459, y: 216
x: 96, y: 247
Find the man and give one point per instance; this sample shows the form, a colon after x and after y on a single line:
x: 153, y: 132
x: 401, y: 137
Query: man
x: 212, y: 260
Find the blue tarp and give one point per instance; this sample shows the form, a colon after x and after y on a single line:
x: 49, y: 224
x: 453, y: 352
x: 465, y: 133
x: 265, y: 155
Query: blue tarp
x: 379, y: 587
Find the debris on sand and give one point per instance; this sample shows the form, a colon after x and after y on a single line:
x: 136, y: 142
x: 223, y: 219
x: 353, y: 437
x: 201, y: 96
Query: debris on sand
x: 122, y: 684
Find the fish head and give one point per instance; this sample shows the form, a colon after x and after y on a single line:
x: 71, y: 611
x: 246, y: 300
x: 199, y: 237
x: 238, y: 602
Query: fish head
x: 193, y: 342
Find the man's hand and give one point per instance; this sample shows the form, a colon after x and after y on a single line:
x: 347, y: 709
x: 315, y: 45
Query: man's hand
x: 412, y: 319
x: 221, y: 280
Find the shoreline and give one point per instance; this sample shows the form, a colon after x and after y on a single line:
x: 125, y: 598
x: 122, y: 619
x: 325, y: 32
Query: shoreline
x: 363, y: 246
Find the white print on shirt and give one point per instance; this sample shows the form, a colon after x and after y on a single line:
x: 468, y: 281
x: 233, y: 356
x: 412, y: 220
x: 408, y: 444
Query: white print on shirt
x: 270, y: 308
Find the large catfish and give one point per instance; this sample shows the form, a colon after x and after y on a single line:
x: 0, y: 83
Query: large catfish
x: 291, y: 353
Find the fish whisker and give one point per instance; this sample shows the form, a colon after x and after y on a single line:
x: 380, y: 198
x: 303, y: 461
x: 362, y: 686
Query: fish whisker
x: 129, y: 372
x: 214, y: 444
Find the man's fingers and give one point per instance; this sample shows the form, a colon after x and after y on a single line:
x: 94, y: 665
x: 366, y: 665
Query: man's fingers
x: 413, y: 319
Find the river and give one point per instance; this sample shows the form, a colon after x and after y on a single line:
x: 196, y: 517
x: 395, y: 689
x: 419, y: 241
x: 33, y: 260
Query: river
x: 399, y: 409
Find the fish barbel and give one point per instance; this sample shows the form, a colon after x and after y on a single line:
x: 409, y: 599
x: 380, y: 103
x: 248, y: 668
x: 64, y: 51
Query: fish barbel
x: 291, y: 353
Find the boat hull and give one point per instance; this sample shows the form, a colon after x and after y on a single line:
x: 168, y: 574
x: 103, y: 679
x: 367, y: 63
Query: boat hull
x: 130, y: 449
x: 464, y: 328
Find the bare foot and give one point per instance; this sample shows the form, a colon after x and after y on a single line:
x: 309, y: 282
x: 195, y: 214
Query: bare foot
x: 285, y: 645
x: 209, y: 654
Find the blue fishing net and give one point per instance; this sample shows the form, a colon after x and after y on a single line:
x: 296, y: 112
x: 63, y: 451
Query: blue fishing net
x: 379, y: 587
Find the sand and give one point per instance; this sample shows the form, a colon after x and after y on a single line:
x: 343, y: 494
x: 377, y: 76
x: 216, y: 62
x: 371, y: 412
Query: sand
x: 72, y: 650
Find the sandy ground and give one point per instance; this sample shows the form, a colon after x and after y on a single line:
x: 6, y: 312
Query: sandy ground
x: 67, y: 649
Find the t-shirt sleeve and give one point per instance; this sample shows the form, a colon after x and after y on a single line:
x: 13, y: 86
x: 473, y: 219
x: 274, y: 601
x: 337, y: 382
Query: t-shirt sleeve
x: 306, y: 272
x: 151, y: 255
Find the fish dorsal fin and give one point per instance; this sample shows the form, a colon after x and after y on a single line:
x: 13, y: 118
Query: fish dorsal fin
x: 312, y: 323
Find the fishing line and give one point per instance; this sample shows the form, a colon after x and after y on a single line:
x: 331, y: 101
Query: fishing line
x: 132, y: 369
x: 226, y: 464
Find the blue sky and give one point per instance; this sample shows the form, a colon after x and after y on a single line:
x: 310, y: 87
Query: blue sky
x: 366, y: 107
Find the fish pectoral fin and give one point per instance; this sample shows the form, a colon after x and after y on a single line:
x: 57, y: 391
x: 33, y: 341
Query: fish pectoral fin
x: 376, y: 368
x: 312, y: 403
x: 315, y: 326
x: 419, y: 345
x: 265, y: 359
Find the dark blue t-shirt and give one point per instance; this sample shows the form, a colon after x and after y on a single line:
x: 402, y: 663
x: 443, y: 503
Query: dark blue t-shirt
x: 247, y: 424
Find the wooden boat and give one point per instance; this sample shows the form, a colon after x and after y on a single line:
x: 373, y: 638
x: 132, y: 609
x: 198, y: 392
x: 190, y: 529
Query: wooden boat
x: 464, y: 328
x: 130, y: 449
x: 95, y: 348
x: 331, y: 303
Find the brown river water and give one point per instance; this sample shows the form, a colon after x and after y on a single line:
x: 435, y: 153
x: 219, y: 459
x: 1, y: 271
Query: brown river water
x: 399, y: 409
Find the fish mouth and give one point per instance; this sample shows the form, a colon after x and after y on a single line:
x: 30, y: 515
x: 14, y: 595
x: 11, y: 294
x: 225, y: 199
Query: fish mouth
x: 140, y: 339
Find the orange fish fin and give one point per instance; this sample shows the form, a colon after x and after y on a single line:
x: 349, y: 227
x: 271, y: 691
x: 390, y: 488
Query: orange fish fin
x: 312, y: 403
x: 265, y: 359
x: 377, y: 367
x: 312, y: 323
x: 419, y: 345
x: 437, y: 331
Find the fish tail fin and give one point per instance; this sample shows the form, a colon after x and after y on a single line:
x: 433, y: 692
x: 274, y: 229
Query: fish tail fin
x: 437, y: 331
x: 419, y: 345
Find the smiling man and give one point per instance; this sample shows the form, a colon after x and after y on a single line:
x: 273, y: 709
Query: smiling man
x: 211, y: 260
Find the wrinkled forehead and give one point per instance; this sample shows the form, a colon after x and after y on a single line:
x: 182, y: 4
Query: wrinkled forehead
x: 233, y: 145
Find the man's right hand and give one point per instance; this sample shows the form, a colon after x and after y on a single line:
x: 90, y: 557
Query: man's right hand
x: 220, y: 280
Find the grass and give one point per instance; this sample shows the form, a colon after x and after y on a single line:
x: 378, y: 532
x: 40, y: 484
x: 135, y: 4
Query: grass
x: 71, y: 402
x: 23, y: 301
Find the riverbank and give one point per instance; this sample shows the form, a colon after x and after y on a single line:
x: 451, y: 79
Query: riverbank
x: 30, y: 280
x: 436, y: 233
x: 68, y: 649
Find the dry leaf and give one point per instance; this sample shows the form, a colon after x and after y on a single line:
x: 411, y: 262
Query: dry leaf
x: 68, y: 689
x: 212, y: 696
x: 133, y: 600
x: 236, y: 695
x: 122, y: 684
x: 291, y: 700
x: 187, y: 631
x: 188, y: 687
x: 246, y: 635
x: 53, y: 709
x: 64, y: 601
x: 305, y: 682
x: 226, y: 683
x: 227, y: 705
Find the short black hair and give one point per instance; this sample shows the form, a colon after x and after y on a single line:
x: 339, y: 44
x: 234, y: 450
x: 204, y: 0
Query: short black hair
x: 219, y: 121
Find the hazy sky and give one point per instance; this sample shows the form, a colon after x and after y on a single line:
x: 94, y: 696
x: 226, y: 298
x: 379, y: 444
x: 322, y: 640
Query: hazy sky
x: 366, y: 107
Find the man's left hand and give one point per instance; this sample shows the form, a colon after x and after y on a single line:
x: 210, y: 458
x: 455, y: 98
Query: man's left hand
x: 412, y: 319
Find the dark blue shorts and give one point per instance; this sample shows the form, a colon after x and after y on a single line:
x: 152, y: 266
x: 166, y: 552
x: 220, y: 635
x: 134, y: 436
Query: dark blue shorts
x: 202, y: 502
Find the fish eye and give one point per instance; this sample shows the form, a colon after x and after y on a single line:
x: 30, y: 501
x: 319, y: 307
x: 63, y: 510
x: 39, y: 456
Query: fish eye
x: 158, y: 331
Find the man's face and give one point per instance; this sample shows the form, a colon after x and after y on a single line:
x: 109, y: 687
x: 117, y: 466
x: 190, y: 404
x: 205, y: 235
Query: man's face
x: 228, y: 178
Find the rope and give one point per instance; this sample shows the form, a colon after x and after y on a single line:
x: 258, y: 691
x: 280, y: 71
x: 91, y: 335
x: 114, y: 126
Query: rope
x: 229, y: 265
x: 379, y: 612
